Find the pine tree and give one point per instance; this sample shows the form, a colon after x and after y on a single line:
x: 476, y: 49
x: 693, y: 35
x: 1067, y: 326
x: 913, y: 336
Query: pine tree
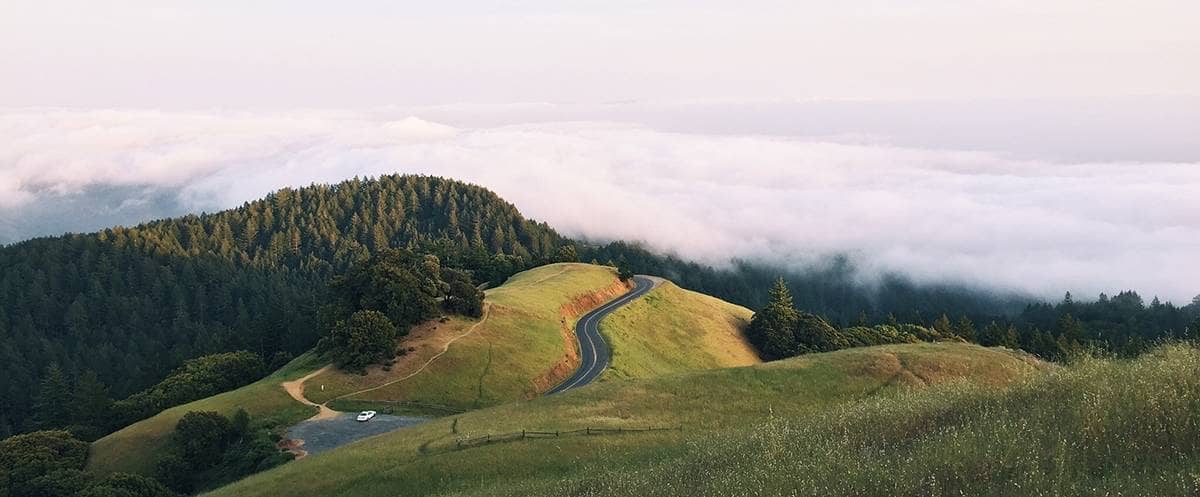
x: 91, y: 404
x: 965, y: 329
x: 53, y: 399
x: 771, y: 329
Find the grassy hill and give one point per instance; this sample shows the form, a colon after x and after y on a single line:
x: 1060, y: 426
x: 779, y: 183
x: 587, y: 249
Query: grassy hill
x: 708, y: 405
x: 136, y: 448
x: 672, y: 330
x: 521, y: 347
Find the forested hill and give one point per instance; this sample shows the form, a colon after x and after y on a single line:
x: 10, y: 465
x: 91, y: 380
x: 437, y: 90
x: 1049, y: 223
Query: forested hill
x: 132, y: 303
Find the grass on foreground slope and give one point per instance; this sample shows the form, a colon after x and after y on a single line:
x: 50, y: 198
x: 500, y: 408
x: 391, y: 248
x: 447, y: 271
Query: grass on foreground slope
x: 707, y: 403
x: 518, y: 351
x: 136, y: 448
x: 1097, y: 427
x: 673, y: 330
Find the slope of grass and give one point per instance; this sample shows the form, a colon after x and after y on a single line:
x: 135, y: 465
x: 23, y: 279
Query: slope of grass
x: 707, y: 404
x: 1096, y: 427
x: 672, y: 330
x: 522, y: 346
x: 136, y: 448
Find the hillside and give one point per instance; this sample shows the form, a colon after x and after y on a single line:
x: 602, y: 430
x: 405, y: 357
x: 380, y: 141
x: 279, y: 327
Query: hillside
x: 1120, y: 427
x: 712, y: 403
x: 135, y: 448
x: 523, y: 345
x: 132, y: 303
x: 672, y: 330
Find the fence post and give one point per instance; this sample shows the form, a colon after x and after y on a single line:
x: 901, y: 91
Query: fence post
x: 522, y: 434
x: 589, y: 430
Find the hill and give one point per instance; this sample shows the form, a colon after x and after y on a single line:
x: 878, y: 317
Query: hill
x: 672, y: 330
x: 132, y: 303
x: 522, y: 346
x: 525, y: 344
x: 423, y: 460
x: 135, y: 448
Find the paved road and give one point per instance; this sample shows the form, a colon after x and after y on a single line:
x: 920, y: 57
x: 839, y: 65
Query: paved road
x: 322, y: 435
x: 593, y: 351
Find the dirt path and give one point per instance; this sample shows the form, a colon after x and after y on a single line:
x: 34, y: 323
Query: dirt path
x: 295, y: 388
x: 548, y: 276
x: 487, y: 309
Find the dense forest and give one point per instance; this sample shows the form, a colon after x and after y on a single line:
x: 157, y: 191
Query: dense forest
x: 1122, y: 325
x: 128, y: 305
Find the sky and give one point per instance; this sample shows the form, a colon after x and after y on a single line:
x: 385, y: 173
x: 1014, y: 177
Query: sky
x: 1043, y: 148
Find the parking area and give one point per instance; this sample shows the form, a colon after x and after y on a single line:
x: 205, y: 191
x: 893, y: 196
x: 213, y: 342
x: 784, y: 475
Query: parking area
x: 323, y: 435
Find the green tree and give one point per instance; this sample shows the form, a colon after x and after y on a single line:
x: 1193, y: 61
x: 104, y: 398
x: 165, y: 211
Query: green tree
x: 462, y: 297
x: 812, y: 333
x: 965, y: 328
x: 368, y: 337
x: 41, y: 463
x: 126, y: 485
x: 566, y: 253
x: 240, y: 423
x: 771, y: 329
x: 91, y: 408
x: 624, y: 273
x: 202, y: 437
x: 862, y: 320
x: 53, y: 399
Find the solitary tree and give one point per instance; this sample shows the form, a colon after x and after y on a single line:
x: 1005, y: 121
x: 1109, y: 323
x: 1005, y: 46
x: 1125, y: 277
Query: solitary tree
x: 771, y: 329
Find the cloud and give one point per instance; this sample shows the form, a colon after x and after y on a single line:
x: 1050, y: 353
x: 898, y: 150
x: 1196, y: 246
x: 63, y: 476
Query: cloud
x: 937, y: 215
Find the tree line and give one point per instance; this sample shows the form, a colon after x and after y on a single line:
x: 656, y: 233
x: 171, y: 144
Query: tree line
x: 1122, y: 325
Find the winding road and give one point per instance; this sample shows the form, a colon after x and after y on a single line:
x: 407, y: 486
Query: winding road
x: 593, y: 351
x: 329, y: 429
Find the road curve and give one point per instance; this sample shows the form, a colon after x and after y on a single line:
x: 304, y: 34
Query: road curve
x: 593, y: 351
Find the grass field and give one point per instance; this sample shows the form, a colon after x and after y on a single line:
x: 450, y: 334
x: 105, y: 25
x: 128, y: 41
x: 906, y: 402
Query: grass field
x: 1096, y: 427
x: 136, y: 448
x: 672, y: 330
x: 707, y: 404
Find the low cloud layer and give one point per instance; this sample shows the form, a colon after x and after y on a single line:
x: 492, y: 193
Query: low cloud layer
x: 975, y: 217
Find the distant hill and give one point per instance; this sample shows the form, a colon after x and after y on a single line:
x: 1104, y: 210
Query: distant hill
x: 133, y: 303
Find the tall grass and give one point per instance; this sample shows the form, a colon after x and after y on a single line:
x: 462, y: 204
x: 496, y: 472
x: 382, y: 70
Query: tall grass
x: 1096, y: 427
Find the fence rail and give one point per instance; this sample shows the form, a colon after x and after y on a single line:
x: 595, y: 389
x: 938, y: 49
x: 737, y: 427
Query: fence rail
x: 463, y: 443
x: 411, y: 403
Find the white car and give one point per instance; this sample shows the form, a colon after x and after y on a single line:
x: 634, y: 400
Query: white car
x: 366, y: 415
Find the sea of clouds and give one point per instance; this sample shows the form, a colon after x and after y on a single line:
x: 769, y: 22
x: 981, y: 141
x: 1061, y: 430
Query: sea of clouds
x: 936, y: 214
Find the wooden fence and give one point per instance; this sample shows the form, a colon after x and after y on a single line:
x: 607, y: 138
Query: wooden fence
x: 463, y: 443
